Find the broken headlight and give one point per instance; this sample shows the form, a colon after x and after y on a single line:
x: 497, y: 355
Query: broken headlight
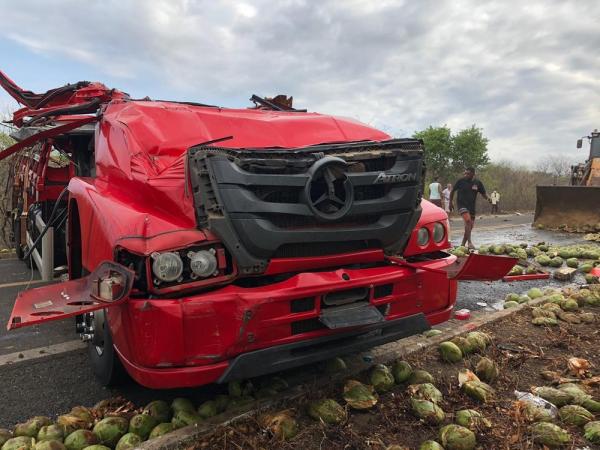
x: 167, y: 266
x: 203, y: 263
x: 163, y: 272
x: 190, y: 267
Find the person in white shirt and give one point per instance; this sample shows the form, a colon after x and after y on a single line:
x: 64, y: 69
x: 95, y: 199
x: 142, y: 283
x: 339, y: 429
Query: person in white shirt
x: 446, y: 197
x: 495, y: 199
x: 435, y: 192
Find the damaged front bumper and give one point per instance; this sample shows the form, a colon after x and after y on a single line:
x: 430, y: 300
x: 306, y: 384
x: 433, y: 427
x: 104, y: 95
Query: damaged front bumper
x: 288, y: 356
x: 235, y: 331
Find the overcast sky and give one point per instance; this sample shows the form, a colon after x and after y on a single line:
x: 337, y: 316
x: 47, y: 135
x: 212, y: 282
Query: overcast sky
x: 527, y: 72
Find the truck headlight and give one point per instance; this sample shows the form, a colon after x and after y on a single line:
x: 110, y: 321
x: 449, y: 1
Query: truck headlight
x: 203, y: 263
x: 439, y: 232
x: 423, y: 236
x: 167, y: 266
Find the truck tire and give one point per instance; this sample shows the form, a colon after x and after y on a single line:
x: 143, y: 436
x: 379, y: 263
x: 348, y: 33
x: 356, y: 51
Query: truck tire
x: 104, y: 359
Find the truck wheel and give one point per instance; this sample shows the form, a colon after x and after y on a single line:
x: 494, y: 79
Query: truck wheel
x: 103, y: 357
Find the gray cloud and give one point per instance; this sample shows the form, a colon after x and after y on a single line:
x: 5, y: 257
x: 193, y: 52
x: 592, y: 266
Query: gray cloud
x: 524, y: 71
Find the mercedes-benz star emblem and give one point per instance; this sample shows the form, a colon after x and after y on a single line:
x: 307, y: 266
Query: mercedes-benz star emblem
x: 329, y: 193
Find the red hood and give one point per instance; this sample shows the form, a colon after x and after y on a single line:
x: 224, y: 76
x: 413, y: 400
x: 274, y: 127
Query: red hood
x: 141, y: 146
x: 162, y: 131
x: 431, y: 213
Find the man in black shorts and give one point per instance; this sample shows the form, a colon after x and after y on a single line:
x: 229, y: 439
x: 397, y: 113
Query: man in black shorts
x: 467, y: 189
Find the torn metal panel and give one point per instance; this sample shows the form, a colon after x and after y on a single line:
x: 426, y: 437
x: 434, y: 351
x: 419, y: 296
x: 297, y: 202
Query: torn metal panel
x: 474, y: 267
x: 477, y: 267
x: 109, y: 285
x: 46, y: 133
x: 27, y: 132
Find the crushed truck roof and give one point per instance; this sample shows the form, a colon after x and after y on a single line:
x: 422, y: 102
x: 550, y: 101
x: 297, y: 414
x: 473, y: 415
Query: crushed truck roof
x: 150, y: 138
x: 164, y: 130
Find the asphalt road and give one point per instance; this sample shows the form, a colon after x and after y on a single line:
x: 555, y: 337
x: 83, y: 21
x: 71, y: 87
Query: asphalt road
x: 33, y: 383
x: 15, y: 277
x: 499, y: 230
x: 508, y: 228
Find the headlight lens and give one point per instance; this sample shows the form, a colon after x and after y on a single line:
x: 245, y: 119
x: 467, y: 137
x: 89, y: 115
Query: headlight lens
x: 422, y: 236
x: 439, y: 232
x: 203, y: 263
x: 167, y: 266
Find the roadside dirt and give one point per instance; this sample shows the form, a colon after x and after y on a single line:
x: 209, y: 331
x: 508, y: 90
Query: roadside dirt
x: 521, y: 351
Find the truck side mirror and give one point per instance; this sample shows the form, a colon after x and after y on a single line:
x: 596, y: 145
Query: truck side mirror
x: 579, y: 143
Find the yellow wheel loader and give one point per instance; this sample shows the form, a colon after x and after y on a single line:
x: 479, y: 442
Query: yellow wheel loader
x: 575, y: 207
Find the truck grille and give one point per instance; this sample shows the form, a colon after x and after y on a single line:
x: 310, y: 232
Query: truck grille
x: 383, y: 290
x: 285, y: 194
x: 306, y: 326
x: 291, y: 222
x: 322, y: 248
x: 302, y: 304
x: 306, y: 202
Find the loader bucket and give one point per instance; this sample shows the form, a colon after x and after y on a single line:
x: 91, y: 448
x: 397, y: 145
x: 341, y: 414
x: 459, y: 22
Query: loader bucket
x: 574, y: 208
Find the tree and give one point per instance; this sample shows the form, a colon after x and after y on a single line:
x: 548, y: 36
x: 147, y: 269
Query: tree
x: 469, y: 148
x: 5, y: 141
x: 438, y: 149
x: 516, y: 184
x: 543, y: 165
x: 560, y: 166
x: 556, y: 165
x: 446, y: 155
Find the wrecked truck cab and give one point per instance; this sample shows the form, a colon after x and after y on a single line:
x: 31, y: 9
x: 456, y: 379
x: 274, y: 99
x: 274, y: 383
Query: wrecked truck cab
x: 242, y: 241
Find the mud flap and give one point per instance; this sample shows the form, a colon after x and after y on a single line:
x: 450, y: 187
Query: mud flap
x: 476, y: 267
x: 108, y: 285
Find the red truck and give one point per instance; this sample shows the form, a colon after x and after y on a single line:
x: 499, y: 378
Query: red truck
x: 207, y: 244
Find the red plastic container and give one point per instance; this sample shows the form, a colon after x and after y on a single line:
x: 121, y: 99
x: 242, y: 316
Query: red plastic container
x: 462, y: 314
